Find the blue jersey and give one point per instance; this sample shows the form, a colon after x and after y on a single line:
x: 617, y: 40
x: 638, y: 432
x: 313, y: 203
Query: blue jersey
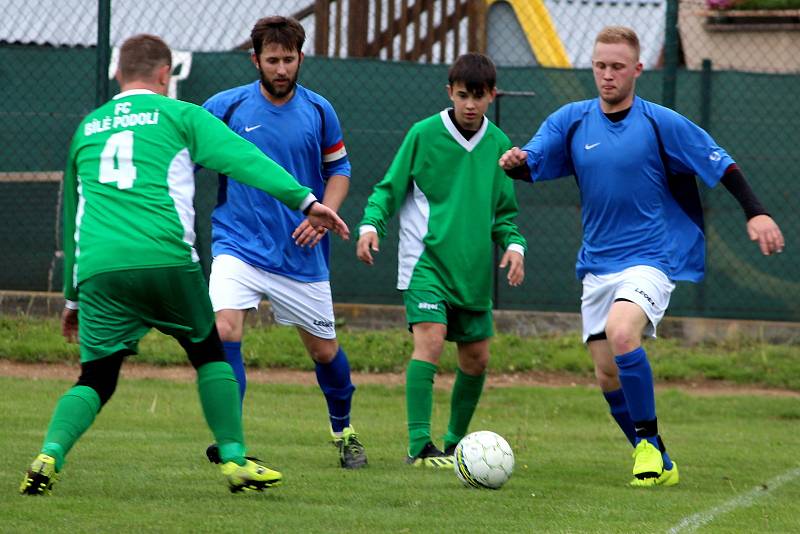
x: 639, y: 198
x: 304, y: 137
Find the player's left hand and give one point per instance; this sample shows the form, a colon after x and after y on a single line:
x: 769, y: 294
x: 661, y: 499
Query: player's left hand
x: 516, y: 267
x: 321, y: 216
x: 305, y: 235
x: 69, y: 325
x: 763, y: 229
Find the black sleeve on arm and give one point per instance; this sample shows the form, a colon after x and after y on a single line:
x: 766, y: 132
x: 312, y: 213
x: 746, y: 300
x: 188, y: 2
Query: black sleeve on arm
x: 735, y: 183
x: 520, y: 172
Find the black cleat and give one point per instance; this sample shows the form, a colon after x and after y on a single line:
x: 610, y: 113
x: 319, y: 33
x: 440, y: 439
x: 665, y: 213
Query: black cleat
x: 212, y: 453
x: 430, y: 456
x: 351, y: 452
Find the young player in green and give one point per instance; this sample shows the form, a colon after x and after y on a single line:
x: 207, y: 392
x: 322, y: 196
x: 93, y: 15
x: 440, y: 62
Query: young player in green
x: 129, y: 254
x: 454, y: 204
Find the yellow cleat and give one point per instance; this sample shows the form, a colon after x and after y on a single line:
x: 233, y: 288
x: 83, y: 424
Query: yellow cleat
x: 647, y: 461
x: 252, y: 476
x: 648, y: 467
x: 666, y: 478
x: 40, y: 476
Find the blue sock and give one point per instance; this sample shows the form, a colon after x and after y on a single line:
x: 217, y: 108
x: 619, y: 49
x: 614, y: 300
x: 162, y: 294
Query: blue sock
x: 667, y: 461
x: 636, y: 378
x: 233, y: 355
x: 334, y: 381
x: 619, y: 411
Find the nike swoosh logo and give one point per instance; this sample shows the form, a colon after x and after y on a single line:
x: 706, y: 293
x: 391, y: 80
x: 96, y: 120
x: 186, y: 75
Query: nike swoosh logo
x: 251, y: 128
x: 587, y: 146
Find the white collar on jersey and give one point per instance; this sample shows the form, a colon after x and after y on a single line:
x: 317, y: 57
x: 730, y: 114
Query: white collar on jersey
x: 468, y: 144
x: 133, y: 92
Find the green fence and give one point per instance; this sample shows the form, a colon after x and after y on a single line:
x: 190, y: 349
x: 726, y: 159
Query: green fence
x: 47, y: 89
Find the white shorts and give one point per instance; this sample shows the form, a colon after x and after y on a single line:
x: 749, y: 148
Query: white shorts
x: 645, y: 286
x: 236, y: 285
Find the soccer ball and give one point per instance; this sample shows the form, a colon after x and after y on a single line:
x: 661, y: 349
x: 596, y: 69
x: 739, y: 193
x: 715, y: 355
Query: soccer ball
x: 483, y: 460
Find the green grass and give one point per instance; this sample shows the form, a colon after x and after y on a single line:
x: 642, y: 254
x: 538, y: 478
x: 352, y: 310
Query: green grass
x: 141, y: 466
x: 742, y: 361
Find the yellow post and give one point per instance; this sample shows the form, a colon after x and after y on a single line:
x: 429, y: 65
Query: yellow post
x: 535, y: 20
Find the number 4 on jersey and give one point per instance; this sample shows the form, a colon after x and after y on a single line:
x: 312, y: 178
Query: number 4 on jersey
x: 116, y: 160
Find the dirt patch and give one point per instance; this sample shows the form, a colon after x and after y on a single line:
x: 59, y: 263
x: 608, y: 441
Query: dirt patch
x: 38, y: 371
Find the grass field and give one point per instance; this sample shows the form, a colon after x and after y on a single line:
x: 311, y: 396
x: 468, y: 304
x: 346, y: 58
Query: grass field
x: 141, y: 467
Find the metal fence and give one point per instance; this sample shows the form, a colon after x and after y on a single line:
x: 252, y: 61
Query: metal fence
x: 383, y: 65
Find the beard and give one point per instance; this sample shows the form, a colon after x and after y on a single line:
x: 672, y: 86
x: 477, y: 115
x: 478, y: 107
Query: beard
x: 619, y: 97
x: 614, y: 100
x: 279, y: 93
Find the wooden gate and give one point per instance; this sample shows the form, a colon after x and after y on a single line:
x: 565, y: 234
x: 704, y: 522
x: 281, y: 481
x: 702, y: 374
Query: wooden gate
x: 431, y: 31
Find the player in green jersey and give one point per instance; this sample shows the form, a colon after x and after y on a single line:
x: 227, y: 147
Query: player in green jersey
x: 454, y: 204
x: 130, y: 258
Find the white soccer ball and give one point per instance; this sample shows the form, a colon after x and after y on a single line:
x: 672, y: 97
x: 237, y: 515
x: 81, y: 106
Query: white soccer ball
x: 483, y: 460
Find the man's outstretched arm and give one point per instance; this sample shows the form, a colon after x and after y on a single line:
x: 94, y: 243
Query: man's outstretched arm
x: 760, y: 225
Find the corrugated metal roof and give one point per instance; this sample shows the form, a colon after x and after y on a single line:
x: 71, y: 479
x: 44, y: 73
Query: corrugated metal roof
x: 199, y: 25
x: 578, y: 22
x: 218, y: 25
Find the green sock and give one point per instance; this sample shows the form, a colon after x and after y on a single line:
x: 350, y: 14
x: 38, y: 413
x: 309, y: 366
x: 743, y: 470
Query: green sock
x: 466, y: 394
x: 219, y: 395
x: 419, y: 403
x: 74, y: 414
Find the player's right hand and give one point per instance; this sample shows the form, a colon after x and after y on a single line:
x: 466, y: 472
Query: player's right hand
x: 367, y: 243
x: 321, y: 216
x: 69, y: 325
x: 513, y: 157
x: 764, y: 230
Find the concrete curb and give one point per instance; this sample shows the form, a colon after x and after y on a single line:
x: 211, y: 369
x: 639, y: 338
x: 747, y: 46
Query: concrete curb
x: 691, y: 330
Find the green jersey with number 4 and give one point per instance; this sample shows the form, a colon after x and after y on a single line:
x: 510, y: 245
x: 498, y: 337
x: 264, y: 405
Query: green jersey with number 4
x: 129, y: 183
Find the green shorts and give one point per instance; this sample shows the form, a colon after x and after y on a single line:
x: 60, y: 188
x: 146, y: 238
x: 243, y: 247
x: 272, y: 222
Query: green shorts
x: 118, y: 308
x: 463, y: 326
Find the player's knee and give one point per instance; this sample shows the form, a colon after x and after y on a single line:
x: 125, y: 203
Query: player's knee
x: 103, y: 387
x: 324, y: 352
x: 473, y: 357
x: 474, y: 363
x: 428, y: 352
x: 429, y: 341
x: 474, y: 367
x: 206, y: 351
x: 622, y: 338
x: 228, y: 331
x: 428, y: 347
x: 102, y: 375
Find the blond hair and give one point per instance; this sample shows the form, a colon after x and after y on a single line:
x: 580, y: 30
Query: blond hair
x: 619, y: 34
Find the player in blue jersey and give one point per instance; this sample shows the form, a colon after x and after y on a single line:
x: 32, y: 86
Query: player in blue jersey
x: 256, y: 241
x: 634, y: 162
